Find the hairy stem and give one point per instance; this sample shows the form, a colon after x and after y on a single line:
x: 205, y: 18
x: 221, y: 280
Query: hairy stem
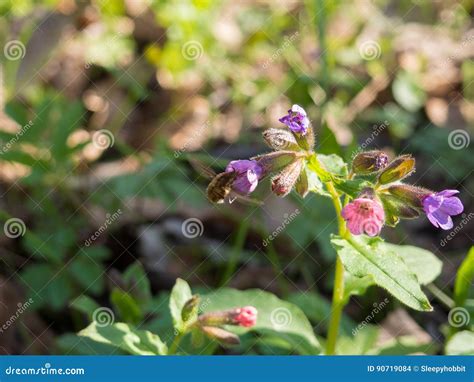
x: 338, y: 291
x: 174, y: 345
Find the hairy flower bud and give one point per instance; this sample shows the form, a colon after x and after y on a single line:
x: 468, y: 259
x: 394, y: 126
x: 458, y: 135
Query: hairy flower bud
x: 397, y: 169
x: 275, y: 161
x: 395, y: 209
x: 302, y: 184
x: 246, y: 316
x: 284, y: 182
x: 190, y: 308
x: 280, y: 139
x: 412, y: 195
x: 369, y: 161
x: 221, y: 335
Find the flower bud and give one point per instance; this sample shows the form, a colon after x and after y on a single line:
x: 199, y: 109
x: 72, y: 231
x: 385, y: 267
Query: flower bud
x: 280, y: 139
x: 397, y: 169
x: 369, y: 161
x: 221, y: 335
x: 396, y: 209
x: 409, y: 194
x: 302, y: 184
x: 284, y: 182
x: 190, y: 308
x: 275, y: 161
x: 246, y: 316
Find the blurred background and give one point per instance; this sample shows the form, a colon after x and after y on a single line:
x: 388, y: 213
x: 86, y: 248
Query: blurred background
x: 104, y: 103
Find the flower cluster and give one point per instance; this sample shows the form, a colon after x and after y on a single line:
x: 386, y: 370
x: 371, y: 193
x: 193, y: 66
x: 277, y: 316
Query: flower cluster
x: 382, y: 198
x: 287, y: 162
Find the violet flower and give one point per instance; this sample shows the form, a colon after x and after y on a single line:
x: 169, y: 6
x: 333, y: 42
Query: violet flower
x: 440, y: 206
x: 296, y: 120
x: 364, y: 215
x: 249, y: 172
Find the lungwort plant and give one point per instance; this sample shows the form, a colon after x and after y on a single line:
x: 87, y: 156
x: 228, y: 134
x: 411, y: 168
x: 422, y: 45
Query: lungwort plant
x: 368, y: 194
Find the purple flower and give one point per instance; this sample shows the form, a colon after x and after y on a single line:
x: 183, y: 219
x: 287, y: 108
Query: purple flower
x: 296, y: 120
x: 249, y: 172
x: 440, y: 206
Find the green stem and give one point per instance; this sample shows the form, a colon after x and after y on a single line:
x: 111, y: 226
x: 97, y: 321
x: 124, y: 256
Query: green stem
x: 176, y: 341
x: 338, y: 292
x: 441, y: 296
x: 236, y: 250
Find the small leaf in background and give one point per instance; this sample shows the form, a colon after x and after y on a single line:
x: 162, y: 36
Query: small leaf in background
x: 423, y: 263
x: 274, y: 316
x: 85, y: 304
x: 356, y: 286
x: 461, y: 343
x: 137, y: 282
x: 407, y: 92
x: 368, y: 257
x: 125, y: 337
x: 464, y: 278
x: 180, y: 294
x: 126, y: 306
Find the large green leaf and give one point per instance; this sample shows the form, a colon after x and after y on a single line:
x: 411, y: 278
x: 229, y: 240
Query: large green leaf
x: 180, y: 294
x: 123, y: 336
x: 275, y: 316
x: 464, y: 277
x: 424, y: 264
x: 461, y: 343
x: 369, y: 257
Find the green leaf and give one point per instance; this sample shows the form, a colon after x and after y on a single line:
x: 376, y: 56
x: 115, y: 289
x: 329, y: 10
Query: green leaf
x: 352, y: 187
x: 128, y: 309
x: 275, y: 316
x: 314, y: 183
x: 407, y: 92
x: 125, y: 337
x: 405, y: 345
x: 180, y: 294
x: 361, y: 343
x: 356, y: 286
x: 368, y: 257
x: 333, y: 163
x: 461, y: 343
x: 85, y: 304
x: 138, y: 283
x: 424, y: 264
x: 464, y: 277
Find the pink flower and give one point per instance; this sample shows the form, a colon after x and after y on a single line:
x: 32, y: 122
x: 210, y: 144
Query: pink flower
x: 364, y: 215
x: 246, y: 316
